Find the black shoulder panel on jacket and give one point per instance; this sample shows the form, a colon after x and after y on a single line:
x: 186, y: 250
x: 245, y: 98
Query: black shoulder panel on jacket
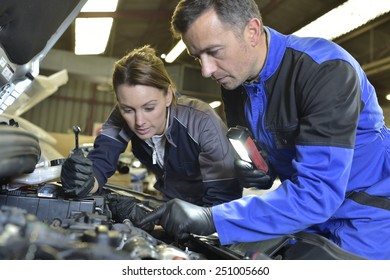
x: 313, y: 104
x: 234, y: 101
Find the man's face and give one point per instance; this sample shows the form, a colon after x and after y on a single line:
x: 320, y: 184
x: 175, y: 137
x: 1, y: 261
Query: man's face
x: 224, y: 57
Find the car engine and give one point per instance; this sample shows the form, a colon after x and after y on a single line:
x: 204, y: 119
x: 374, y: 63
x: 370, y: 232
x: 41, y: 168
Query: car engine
x: 37, y: 221
x: 74, y: 230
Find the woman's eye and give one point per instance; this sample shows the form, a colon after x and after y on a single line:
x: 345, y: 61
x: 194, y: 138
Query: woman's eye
x: 149, y: 109
x: 127, y: 110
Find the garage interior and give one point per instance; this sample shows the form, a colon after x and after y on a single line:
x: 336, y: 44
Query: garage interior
x: 75, y: 90
x: 86, y: 98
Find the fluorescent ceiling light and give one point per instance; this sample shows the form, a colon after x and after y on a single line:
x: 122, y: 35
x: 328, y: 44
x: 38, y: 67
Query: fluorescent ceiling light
x: 175, y: 52
x: 100, y: 6
x: 345, y: 18
x: 92, y: 34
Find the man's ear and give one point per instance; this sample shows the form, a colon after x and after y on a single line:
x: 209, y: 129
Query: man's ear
x: 254, y: 27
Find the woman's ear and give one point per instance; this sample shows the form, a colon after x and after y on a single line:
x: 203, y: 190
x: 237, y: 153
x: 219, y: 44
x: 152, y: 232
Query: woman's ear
x: 169, y: 96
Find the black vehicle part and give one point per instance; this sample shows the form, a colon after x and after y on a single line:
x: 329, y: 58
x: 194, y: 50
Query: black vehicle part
x: 152, y: 201
x: 209, y: 246
x: 20, y: 27
x: 19, y: 150
x: 298, y: 246
x: 48, y: 209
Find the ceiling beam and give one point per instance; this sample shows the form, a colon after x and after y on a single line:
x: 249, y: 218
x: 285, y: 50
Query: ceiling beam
x: 377, y: 67
x: 131, y: 14
x: 365, y: 28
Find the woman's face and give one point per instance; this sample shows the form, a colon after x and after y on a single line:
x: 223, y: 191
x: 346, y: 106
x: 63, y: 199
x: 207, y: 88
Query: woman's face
x: 144, y: 109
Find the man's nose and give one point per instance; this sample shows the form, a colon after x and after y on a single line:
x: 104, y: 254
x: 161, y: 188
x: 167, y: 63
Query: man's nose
x: 208, y: 67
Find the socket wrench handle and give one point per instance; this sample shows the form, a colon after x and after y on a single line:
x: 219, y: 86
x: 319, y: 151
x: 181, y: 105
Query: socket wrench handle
x: 76, y: 130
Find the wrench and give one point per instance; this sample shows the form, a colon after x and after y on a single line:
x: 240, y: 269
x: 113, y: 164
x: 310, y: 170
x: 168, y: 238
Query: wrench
x: 76, y: 130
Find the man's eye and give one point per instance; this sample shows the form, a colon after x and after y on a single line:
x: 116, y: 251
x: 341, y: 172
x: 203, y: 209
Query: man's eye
x: 214, y: 53
x: 149, y: 109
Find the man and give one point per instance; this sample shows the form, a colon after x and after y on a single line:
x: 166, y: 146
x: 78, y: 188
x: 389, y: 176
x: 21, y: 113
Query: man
x: 313, y: 111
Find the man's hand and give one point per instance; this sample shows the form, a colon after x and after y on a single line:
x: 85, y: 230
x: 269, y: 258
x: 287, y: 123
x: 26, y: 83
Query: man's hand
x: 127, y: 207
x: 180, y: 218
x: 249, y: 176
x: 77, y: 175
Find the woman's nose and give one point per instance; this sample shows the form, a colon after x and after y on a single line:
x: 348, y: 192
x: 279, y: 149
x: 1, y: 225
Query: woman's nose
x: 139, y: 119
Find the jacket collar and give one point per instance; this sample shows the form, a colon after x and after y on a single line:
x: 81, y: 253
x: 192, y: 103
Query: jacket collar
x: 277, y: 43
x: 172, y: 112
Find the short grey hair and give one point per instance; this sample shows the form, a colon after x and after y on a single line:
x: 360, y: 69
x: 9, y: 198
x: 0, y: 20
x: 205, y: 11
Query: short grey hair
x: 236, y: 13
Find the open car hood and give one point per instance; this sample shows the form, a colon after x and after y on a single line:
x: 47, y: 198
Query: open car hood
x: 28, y: 30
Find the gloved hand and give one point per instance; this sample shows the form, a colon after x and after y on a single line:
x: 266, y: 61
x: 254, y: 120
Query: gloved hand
x: 180, y: 218
x: 249, y: 176
x: 127, y: 207
x: 77, y: 175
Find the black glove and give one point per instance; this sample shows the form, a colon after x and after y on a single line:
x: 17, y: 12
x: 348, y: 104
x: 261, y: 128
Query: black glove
x: 127, y: 207
x: 180, y: 218
x: 249, y: 176
x: 77, y: 175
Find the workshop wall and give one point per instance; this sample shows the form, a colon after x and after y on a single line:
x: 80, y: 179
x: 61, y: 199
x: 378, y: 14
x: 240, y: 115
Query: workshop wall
x: 79, y: 102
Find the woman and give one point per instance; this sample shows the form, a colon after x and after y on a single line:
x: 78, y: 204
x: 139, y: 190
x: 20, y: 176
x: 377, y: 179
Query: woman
x: 180, y: 139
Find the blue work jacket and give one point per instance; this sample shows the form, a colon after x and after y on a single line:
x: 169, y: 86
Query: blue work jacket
x: 316, y: 115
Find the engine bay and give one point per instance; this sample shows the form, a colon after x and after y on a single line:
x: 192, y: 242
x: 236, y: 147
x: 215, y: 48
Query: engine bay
x: 38, y: 222
x: 35, y: 226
